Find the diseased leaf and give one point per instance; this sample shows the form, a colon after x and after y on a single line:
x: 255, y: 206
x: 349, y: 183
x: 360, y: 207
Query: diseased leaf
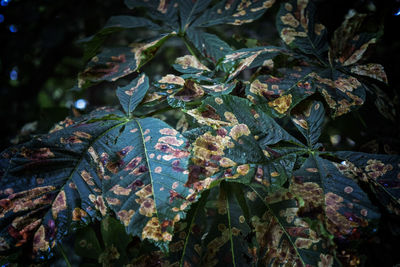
x: 114, y: 24
x: 215, y: 235
x: 282, y: 237
x: 325, y: 191
x: 241, y: 59
x: 210, y: 45
x: 298, y: 28
x: 189, y: 64
x: 238, y: 150
x: 280, y: 95
x: 114, y: 63
x: 234, y: 12
x: 342, y: 92
x: 348, y: 45
x: 161, y: 10
x: 309, y: 119
x: 132, y: 94
x: 382, y: 172
x: 372, y: 70
x: 59, y: 181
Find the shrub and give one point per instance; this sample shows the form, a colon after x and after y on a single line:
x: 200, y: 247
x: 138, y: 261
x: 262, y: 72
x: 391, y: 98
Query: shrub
x: 241, y: 180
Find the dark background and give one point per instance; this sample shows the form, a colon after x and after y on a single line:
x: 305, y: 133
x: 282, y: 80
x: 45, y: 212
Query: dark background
x: 40, y: 60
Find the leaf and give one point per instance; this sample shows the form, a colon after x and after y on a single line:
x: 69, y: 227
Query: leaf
x: 114, y: 24
x: 297, y: 27
x: 238, y: 148
x: 280, y: 95
x: 189, y: 10
x: 233, y: 12
x: 57, y: 182
x: 241, y: 59
x: 309, y: 119
x: 164, y: 11
x: 283, y: 238
x: 189, y: 64
x: 215, y: 234
x: 87, y: 244
x: 114, y: 63
x: 382, y: 172
x: 347, y: 45
x: 210, y: 45
x: 132, y: 94
x: 342, y: 203
x: 372, y: 70
x: 342, y: 92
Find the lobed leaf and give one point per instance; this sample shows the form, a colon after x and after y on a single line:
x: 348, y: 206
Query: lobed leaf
x: 57, y: 182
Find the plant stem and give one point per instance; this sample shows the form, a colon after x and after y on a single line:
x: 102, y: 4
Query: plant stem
x: 64, y: 255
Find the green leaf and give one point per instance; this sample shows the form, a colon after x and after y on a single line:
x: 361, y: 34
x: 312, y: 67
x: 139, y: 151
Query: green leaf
x: 60, y: 181
x: 297, y: 27
x: 325, y: 191
x: 239, y: 60
x: 215, y: 235
x: 234, y: 12
x: 189, y: 10
x: 210, y: 45
x: 189, y: 64
x: 114, y: 63
x: 132, y: 94
x: 114, y: 24
x: 342, y: 92
x: 382, y: 172
x: 161, y: 10
x: 86, y: 243
x: 282, y: 237
x: 308, y: 118
x: 280, y: 95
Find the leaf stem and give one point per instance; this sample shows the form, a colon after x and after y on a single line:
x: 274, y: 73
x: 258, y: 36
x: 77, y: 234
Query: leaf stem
x: 61, y: 249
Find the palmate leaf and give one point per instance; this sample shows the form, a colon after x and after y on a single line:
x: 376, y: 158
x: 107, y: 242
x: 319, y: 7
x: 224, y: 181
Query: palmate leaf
x: 296, y: 24
x: 382, y: 172
x: 242, y: 226
x: 57, y: 182
x: 284, y: 238
x: 114, y: 63
x: 248, y: 146
x: 238, y: 150
x: 214, y: 235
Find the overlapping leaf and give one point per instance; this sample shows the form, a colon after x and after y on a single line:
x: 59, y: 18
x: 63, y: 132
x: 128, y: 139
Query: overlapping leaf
x: 114, y: 63
x: 296, y: 24
x: 132, y: 94
x: 382, y: 172
x: 80, y: 172
x: 243, y: 227
x: 248, y: 146
x: 342, y: 203
x: 280, y: 95
x: 335, y: 76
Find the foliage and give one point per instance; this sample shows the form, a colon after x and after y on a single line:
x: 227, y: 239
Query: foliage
x: 244, y: 182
